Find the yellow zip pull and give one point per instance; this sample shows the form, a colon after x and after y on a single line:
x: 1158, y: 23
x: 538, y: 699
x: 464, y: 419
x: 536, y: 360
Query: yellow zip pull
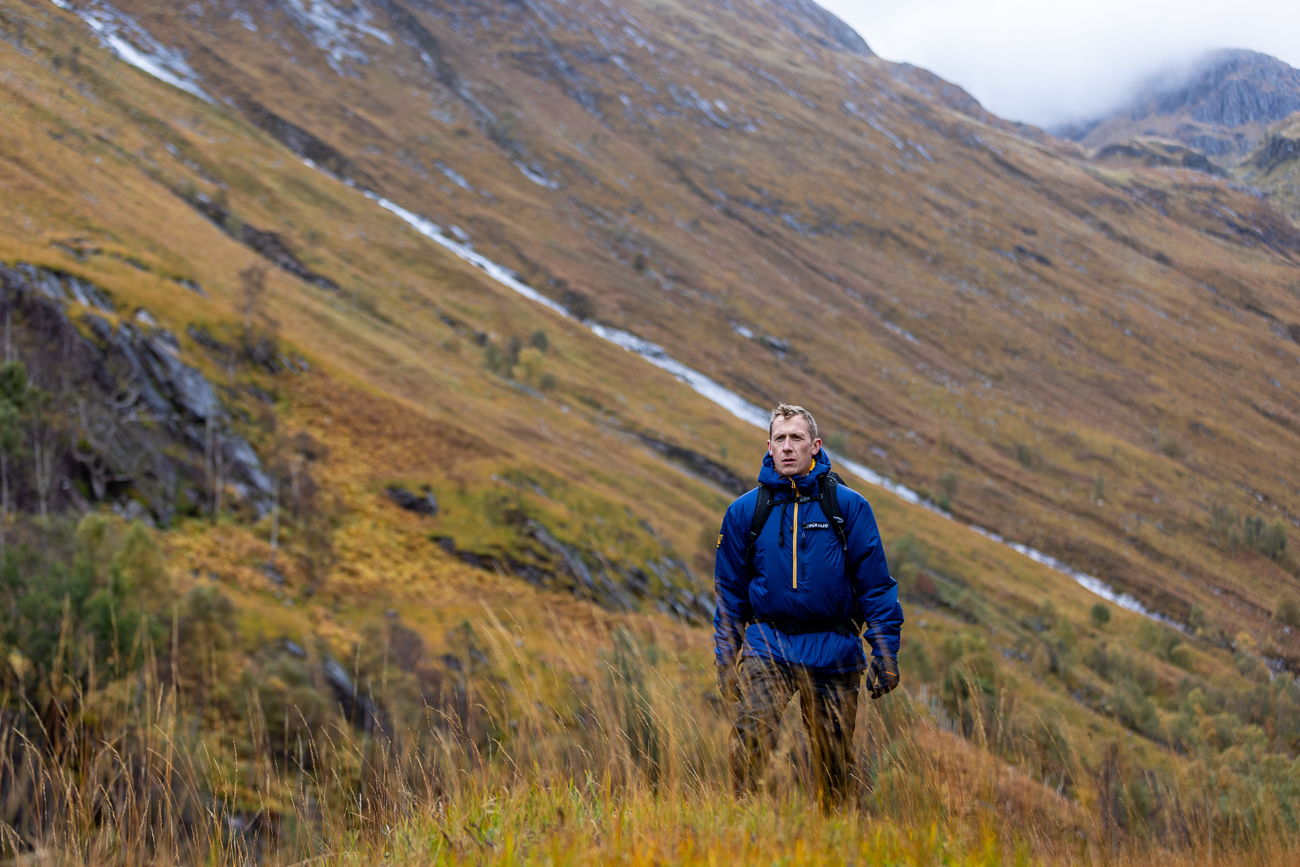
x: 794, y: 544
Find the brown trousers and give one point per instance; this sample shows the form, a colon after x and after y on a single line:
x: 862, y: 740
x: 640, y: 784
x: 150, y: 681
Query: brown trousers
x: 829, y: 703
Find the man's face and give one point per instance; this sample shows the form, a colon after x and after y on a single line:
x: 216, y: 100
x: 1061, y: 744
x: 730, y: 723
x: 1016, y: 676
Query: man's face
x: 792, y: 447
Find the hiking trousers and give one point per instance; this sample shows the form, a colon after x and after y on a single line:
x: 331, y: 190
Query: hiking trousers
x: 829, y: 703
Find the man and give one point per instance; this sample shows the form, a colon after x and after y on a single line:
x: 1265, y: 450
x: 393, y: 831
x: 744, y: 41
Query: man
x: 800, y: 571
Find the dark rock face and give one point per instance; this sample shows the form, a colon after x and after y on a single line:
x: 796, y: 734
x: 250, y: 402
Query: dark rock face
x: 1277, y: 151
x: 1162, y: 155
x: 423, y: 503
x: 270, y: 245
x: 697, y: 464
x: 1219, y: 110
x: 302, y: 142
x: 668, y: 585
x: 1236, y: 87
x: 137, y: 424
x: 1211, y: 145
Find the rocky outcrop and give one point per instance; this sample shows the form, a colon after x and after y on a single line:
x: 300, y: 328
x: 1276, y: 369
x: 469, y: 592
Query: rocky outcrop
x: 303, y: 143
x: 667, y: 584
x: 422, y: 503
x: 1220, y: 110
x: 1277, y: 150
x: 269, y: 244
x: 1161, y: 154
x: 129, y: 422
x: 697, y: 464
x: 1235, y: 87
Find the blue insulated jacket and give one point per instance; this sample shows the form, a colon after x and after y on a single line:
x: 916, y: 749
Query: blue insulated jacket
x: 798, y: 573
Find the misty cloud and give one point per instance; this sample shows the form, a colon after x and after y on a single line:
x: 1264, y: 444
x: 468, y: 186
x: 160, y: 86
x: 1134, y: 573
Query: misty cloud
x: 1048, y: 63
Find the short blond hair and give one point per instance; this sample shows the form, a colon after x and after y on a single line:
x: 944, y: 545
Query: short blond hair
x: 786, y: 411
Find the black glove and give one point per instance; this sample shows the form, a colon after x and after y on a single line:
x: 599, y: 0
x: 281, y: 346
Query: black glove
x: 882, y: 676
x: 729, y: 682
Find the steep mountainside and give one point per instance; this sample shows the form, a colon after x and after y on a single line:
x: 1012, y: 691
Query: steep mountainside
x: 404, y: 244
x: 790, y: 219
x: 1220, y: 110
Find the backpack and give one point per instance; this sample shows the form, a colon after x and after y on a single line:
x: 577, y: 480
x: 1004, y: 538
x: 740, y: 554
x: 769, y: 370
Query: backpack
x: 826, y: 493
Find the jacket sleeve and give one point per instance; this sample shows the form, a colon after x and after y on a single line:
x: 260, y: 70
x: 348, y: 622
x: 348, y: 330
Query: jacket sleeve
x: 875, y: 593
x: 731, y: 580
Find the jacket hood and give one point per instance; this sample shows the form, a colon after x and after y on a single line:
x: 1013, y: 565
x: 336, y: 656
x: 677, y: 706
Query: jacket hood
x: 770, y: 477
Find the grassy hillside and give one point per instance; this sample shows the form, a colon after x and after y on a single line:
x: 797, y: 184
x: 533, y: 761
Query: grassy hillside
x: 1095, y: 360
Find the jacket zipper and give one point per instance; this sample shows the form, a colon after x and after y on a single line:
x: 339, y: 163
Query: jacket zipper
x: 794, y: 536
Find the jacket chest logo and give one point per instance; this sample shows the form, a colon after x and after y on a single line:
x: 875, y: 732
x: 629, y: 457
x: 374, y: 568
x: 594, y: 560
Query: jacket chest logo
x: 817, y: 525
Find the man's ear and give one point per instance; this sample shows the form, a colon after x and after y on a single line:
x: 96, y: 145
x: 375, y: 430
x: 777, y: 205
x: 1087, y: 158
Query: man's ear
x: 817, y: 445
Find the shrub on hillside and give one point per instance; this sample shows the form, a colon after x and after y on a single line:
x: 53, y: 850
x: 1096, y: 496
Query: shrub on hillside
x: 969, y: 687
x: 74, y: 595
x: 1134, y: 709
x: 1165, y: 643
x: 916, y: 662
x: 1116, y: 667
x: 1167, y: 446
x: 948, y: 483
x: 907, y: 557
x: 1288, y: 611
x: 1099, y: 614
x: 1269, y: 540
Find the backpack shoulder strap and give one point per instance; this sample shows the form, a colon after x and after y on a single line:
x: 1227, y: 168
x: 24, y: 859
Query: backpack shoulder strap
x: 831, y: 509
x: 831, y: 506
x: 762, y: 509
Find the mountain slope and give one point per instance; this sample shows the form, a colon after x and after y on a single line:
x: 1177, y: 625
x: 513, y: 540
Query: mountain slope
x: 689, y: 210
x: 951, y: 299
x: 1097, y: 362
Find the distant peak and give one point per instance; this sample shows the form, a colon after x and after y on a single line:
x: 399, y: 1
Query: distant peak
x: 1219, y: 105
x: 1231, y: 87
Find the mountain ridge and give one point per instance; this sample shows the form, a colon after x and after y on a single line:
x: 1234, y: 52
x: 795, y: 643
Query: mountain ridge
x: 1220, y: 108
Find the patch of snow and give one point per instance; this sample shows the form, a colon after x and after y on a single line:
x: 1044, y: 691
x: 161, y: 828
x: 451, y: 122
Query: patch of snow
x: 434, y: 233
x: 901, y: 333
x: 537, y: 177
x: 452, y: 175
x: 653, y: 353
x: 638, y: 39
x: 1096, y: 585
x: 133, y: 44
x: 335, y: 31
x: 461, y: 234
x: 245, y: 19
x: 743, y: 331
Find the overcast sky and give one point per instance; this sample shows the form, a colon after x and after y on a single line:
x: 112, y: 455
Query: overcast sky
x: 1052, y: 61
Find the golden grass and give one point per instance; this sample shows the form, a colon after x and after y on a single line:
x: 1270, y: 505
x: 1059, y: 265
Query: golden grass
x: 1010, y: 354
x: 589, y: 742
